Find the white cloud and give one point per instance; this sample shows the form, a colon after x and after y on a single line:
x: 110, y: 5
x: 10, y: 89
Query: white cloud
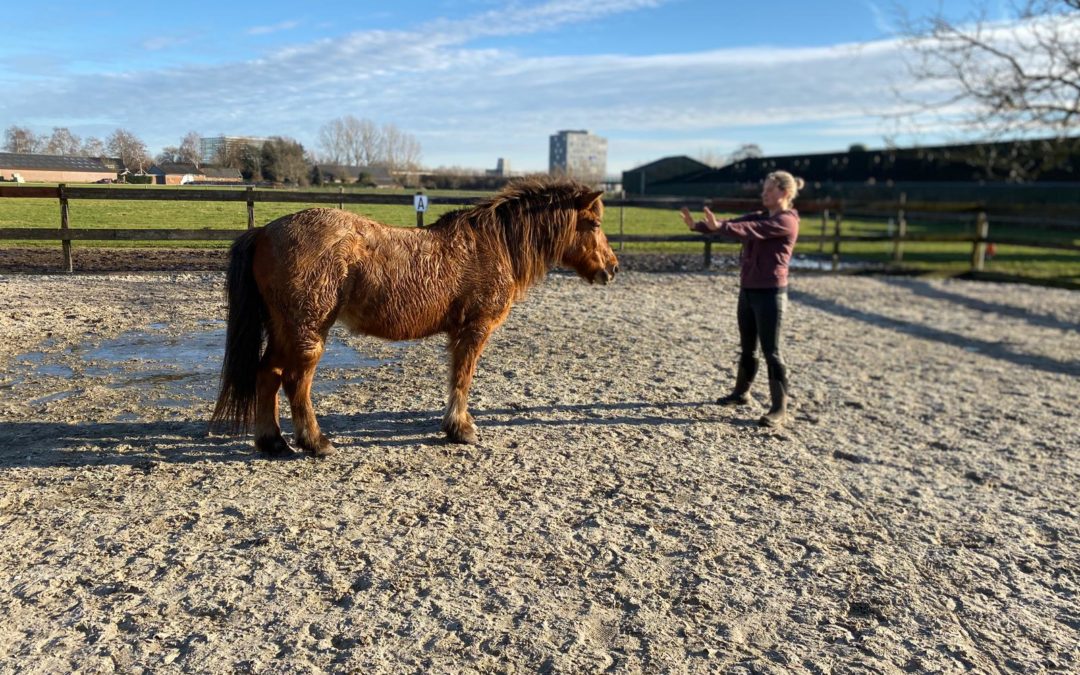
x: 517, y: 19
x: 882, y: 22
x: 160, y: 42
x: 469, y: 105
x: 275, y: 28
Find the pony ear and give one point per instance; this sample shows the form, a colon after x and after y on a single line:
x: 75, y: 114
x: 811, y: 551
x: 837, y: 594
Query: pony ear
x: 585, y: 201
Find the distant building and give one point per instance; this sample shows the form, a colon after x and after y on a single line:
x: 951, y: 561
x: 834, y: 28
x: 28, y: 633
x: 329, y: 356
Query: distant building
x: 183, y: 173
x: 57, y: 168
x: 221, y: 174
x: 836, y: 173
x: 214, y: 148
x: 339, y: 173
x: 578, y: 154
x: 375, y: 176
x: 640, y: 180
x: 502, y: 168
x: 174, y: 173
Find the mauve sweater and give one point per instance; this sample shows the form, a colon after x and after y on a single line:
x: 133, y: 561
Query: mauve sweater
x: 767, y: 243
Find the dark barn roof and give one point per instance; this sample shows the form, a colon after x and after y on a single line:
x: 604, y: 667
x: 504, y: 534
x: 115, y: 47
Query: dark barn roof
x: 33, y: 162
x: 171, y: 168
x: 220, y: 172
x: 639, y: 180
x: 969, y: 162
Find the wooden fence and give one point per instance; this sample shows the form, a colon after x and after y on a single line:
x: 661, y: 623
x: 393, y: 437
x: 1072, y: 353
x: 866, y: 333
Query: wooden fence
x: 830, y: 214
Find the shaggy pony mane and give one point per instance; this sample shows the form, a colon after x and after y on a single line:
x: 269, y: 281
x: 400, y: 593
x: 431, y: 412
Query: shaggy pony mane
x: 532, y: 219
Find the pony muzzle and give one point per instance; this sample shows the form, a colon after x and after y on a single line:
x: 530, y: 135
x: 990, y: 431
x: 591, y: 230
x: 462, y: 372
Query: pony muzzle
x: 605, y: 275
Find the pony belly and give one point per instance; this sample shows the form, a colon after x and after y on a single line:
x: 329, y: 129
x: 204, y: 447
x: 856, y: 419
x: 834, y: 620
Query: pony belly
x: 385, y: 325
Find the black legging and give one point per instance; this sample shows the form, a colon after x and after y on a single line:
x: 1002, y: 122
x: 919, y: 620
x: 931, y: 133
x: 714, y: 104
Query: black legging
x: 760, y: 313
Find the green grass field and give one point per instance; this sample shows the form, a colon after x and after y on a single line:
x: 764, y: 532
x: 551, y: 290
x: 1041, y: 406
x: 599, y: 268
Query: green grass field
x: 1023, y: 263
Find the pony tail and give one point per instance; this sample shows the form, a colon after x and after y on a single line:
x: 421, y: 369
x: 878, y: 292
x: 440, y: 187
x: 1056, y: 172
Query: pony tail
x: 235, y: 407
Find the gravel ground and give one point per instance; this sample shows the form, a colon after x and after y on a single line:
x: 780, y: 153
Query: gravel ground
x: 919, y: 514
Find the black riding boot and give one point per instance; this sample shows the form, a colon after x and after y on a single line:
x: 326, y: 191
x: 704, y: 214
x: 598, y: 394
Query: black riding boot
x: 748, y: 367
x: 777, y: 414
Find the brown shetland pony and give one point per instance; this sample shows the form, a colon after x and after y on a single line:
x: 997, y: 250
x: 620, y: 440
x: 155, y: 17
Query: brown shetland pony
x: 290, y: 281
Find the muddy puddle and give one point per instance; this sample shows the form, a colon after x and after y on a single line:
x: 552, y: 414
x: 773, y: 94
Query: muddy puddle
x: 158, y: 368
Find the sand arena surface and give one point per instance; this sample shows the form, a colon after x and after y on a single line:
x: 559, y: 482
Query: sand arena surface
x: 918, y: 515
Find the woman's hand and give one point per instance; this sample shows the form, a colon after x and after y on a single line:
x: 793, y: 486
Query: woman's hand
x: 694, y: 225
x: 687, y: 218
x: 710, y: 221
x: 708, y: 226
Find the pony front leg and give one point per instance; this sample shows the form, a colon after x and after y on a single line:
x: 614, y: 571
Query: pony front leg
x: 465, y: 350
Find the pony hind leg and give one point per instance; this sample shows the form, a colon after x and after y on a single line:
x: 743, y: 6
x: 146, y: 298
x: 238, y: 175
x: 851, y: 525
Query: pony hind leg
x: 297, y: 377
x: 268, y: 436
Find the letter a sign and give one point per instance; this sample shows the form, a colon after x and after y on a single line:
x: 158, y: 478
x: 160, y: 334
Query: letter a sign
x: 420, y: 202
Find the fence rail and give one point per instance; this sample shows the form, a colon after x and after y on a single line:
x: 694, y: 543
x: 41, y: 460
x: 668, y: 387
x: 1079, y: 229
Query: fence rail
x: 831, y: 213
x: 215, y: 195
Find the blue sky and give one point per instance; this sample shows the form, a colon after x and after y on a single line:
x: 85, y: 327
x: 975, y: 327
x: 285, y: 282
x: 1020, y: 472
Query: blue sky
x: 472, y: 80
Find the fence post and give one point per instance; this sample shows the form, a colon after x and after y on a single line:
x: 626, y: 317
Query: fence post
x: 64, y: 223
x: 419, y: 213
x: 978, y: 249
x: 341, y: 197
x: 251, y: 207
x: 901, y: 229
x: 621, y: 208
x: 824, y: 227
x: 836, y: 241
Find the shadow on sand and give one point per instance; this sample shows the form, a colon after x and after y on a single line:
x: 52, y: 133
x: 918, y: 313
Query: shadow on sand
x: 140, y: 444
x: 927, y: 290
x: 993, y: 350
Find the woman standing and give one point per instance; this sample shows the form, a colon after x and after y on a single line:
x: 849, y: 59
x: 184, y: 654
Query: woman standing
x: 768, y: 238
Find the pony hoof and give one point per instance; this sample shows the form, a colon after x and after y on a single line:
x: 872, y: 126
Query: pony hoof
x: 466, y: 436
x: 273, y: 445
x: 321, y: 448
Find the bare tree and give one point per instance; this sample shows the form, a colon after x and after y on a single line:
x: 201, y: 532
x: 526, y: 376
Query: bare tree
x: 1018, y: 75
x: 21, y: 139
x: 745, y: 151
x: 400, y: 151
x: 346, y: 140
x: 169, y: 154
x: 368, y: 144
x: 1002, y: 80
x: 92, y: 147
x: 230, y: 155
x: 411, y: 153
x: 129, y: 148
x: 190, y: 149
x: 333, y: 142
x: 359, y: 142
x: 388, y: 148
x: 62, y: 142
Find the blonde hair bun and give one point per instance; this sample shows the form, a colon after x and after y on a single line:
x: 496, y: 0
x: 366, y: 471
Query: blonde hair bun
x: 789, y: 184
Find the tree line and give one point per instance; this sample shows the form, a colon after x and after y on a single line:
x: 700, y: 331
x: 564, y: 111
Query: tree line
x: 121, y: 144
x: 360, y: 142
x: 345, y: 141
